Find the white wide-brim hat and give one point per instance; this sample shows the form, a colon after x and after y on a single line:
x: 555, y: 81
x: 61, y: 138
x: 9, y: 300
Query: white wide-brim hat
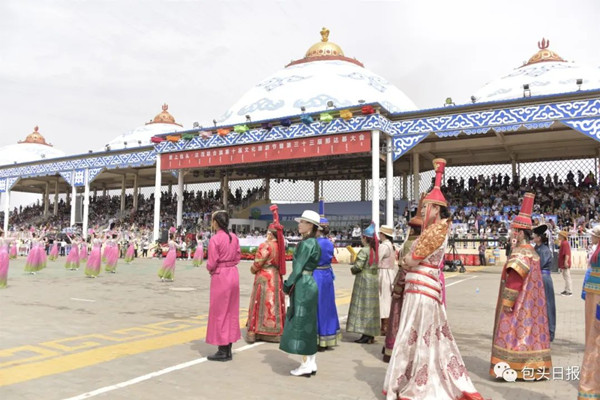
x: 310, y: 216
x: 595, y: 231
x: 386, y: 230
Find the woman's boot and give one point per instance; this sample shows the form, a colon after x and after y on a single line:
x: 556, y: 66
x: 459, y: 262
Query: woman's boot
x: 221, y: 354
x: 305, y: 369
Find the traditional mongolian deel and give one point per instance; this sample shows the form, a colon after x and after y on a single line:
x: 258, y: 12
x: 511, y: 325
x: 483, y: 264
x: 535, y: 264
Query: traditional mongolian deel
x: 521, y: 335
x: 224, y: 310
x: 387, y: 275
x: 426, y: 362
x: 300, y: 331
x: 545, y: 266
x: 328, y: 323
x: 589, y: 384
x: 363, y: 315
x: 397, y: 300
x: 266, y: 314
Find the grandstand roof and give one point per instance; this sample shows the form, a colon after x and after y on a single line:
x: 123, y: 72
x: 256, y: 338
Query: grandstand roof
x: 325, y: 75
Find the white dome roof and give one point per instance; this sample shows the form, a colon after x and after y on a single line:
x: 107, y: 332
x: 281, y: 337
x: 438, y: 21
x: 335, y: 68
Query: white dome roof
x: 161, y: 124
x: 325, y: 74
x: 545, y: 73
x: 33, y: 148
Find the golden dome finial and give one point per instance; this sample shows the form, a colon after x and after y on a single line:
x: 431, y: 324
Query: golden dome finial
x: 164, y: 117
x: 324, y: 35
x: 35, y: 137
x: 324, y: 48
x: 544, y: 54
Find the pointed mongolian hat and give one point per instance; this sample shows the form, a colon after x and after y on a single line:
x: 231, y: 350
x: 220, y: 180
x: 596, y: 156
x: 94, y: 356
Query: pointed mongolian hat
x: 436, y: 196
x: 523, y: 220
x: 277, y: 229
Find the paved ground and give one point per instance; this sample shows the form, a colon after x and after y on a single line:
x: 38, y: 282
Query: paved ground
x: 129, y: 336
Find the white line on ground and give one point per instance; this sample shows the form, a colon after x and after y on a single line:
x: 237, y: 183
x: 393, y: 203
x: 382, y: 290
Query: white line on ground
x: 88, y: 300
x: 151, y: 375
x: 197, y: 361
x: 462, y: 280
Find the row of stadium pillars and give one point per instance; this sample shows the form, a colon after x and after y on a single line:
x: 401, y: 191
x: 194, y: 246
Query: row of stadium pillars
x: 375, y: 159
x: 374, y: 189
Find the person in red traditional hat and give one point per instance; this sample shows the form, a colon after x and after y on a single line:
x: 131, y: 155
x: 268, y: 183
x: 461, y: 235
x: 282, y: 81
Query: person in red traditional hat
x: 266, y: 313
x: 521, y: 337
x: 426, y: 362
x: 399, y: 283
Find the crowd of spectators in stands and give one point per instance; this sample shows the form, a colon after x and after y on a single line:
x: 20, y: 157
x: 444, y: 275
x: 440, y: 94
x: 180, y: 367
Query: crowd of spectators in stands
x: 105, y: 208
x: 487, y: 204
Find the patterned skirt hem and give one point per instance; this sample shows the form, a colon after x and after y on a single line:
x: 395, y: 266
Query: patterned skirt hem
x: 331, y: 340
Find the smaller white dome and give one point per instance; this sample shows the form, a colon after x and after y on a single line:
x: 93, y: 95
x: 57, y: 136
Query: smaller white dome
x: 546, y: 73
x: 33, y: 148
x: 161, y: 124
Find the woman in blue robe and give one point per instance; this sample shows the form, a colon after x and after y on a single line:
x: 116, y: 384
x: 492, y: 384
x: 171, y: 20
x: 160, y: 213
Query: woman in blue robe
x: 541, y: 247
x: 328, y: 323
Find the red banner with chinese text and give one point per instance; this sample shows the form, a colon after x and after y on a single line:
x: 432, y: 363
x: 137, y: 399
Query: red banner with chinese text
x: 321, y: 146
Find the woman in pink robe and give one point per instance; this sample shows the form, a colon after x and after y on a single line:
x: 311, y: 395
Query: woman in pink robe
x: 224, y: 312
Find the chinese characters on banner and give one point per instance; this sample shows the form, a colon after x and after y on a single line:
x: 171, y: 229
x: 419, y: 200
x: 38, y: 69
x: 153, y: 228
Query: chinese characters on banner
x: 320, y: 146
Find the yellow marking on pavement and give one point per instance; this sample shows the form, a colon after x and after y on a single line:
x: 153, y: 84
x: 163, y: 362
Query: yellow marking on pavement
x: 90, y: 357
x: 41, y: 353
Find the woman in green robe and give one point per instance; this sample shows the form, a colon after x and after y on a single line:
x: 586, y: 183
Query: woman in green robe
x: 363, y: 316
x: 300, y: 329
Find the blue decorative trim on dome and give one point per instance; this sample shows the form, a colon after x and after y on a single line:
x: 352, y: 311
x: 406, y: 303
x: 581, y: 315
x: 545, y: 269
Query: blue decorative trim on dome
x: 375, y: 82
x: 263, y: 104
x: 224, y: 117
x: 499, y: 91
x: 536, y: 70
x: 320, y: 102
x: 275, y: 82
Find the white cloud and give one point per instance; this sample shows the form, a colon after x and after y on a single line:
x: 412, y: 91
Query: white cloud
x: 87, y: 71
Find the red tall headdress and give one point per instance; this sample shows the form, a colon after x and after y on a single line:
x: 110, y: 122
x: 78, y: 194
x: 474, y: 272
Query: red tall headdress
x: 278, y: 229
x: 436, y: 196
x: 523, y: 220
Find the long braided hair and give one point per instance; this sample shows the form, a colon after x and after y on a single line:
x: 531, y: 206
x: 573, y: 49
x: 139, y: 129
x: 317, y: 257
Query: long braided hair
x: 222, y: 219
